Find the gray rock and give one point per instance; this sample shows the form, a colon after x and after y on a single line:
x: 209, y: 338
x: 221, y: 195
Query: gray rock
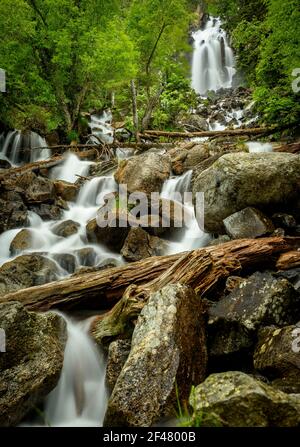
x: 66, y: 261
x: 168, y: 347
x: 14, y: 213
x: 86, y: 256
x: 248, y: 223
x: 118, y: 353
x: 237, y: 181
x: 258, y: 301
x: 236, y: 399
x: 31, y: 366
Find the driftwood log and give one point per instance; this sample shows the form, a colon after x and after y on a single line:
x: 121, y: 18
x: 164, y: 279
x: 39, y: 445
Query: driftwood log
x: 288, y: 260
x: 202, y: 269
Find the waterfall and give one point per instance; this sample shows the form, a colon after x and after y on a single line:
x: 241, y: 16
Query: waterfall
x: 80, y: 397
x: 192, y: 236
x: 101, y: 128
x: 257, y: 147
x: 23, y: 147
x: 213, y: 59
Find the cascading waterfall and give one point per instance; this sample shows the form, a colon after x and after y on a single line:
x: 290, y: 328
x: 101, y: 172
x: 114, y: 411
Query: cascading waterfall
x: 192, y: 236
x: 213, y: 59
x: 101, y: 128
x: 23, y: 147
x: 80, y: 398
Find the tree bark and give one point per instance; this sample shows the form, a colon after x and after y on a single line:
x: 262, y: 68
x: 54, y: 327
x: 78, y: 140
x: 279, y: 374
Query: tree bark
x: 289, y: 260
x: 202, y: 269
x: 293, y: 148
x: 209, y: 133
x: 135, y: 111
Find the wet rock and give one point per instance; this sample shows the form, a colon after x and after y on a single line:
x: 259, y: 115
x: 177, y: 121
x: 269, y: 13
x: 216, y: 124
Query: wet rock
x: 260, y: 300
x: 26, y: 271
x: 86, y: 256
x: 248, y: 223
x: 31, y: 366
x: 168, y: 347
x: 67, y: 191
x: 140, y: 245
x: 66, y: 228
x: 66, y: 261
x: 145, y: 173
x: 118, y: 353
x: 269, y: 182
x: 4, y: 164
x: 292, y: 275
x: 111, y: 236
x: 236, y: 399
x: 192, y: 123
x: 277, y: 357
x: 21, y: 242
x: 47, y: 212
x: 14, y: 213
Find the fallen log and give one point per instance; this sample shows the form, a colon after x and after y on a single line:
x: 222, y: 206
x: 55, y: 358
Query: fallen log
x: 202, y: 269
x: 293, y: 148
x: 210, y: 133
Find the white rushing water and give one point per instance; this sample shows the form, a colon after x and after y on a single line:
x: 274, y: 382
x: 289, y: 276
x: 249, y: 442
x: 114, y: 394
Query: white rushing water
x: 23, y: 147
x: 213, y: 60
x: 80, y: 398
x: 101, y: 128
x: 257, y: 147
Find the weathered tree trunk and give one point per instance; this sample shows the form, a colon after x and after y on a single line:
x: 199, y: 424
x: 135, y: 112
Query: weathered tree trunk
x: 202, y: 269
x: 293, y: 148
x: 135, y: 111
x: 208, y: 133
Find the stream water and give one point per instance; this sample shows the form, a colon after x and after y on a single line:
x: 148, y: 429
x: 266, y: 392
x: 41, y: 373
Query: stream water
x: 80, y: 397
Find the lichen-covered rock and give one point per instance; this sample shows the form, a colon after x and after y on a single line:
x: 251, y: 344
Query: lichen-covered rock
x: 145, y: 173
x: 277, y: 356
x: 26, y: 271
x: 66, y: 228
x: 260, y: 300
x: 237, y: 181
x: 236, y: 399
x: 118, y: 353
x: 248, y: 223
x: 168, y: 348
x: 140, y: 245
x: 22, y: 241
x: 35, y: 189
x: 31, y: 366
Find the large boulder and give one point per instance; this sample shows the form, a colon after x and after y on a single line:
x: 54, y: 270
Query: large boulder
x: 32, y: 362
x: 112, y: 236
x: 236, y: 399
x: 26, y: 271
x: 145, y: 173
x: 118, y: 353
x: 168, y: 350
x: 277, y: 356
x: 140, y: 245
x: 268, y: 181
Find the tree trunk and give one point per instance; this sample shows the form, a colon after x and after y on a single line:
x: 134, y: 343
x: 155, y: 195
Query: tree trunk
x: 202, y: 269
x: 135, y: 111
